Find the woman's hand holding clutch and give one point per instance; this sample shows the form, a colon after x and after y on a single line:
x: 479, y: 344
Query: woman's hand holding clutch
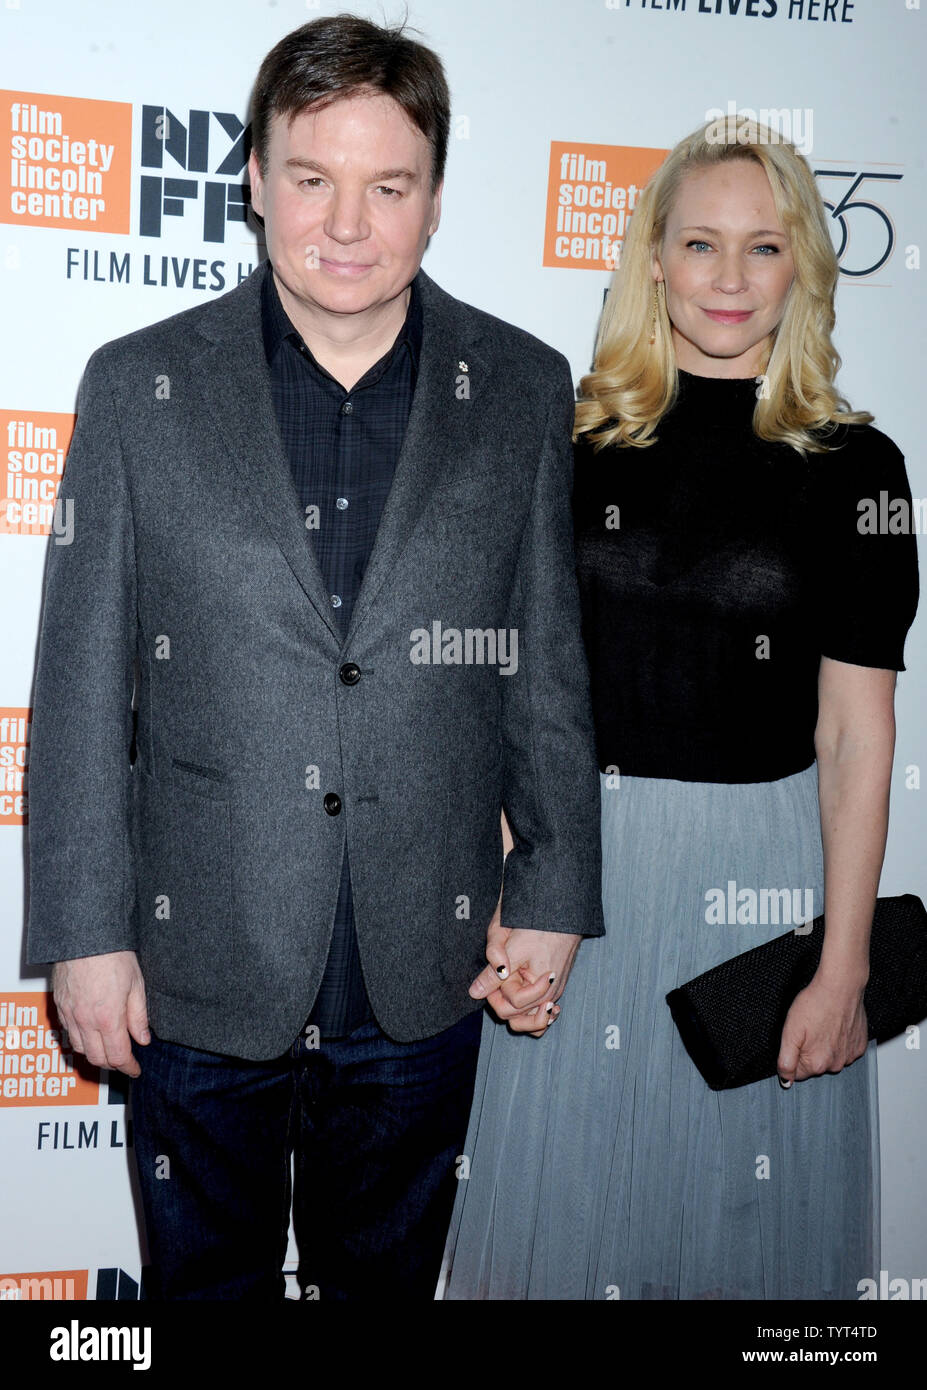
x: 825, y: 1029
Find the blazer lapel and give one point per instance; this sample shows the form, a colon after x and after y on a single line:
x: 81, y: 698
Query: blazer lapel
x: 439, y: 429
x: 238, y: 396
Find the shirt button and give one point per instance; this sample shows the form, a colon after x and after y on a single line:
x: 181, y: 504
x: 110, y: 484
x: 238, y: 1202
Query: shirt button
x: 336, y: 601
x: 347, y: 408
x: 341, y: 503
x: 332, y: 803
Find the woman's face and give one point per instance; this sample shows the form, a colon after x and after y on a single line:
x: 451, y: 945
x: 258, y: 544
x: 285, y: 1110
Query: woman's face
x: 726, y: 267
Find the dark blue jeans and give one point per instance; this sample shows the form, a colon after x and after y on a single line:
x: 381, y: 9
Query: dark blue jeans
x: 375, y: 1127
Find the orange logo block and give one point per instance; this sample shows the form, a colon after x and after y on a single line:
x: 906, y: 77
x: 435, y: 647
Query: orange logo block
x: 65, y: 162
x: 37, y: 1068
x: 14, y: 757
x: 44, y: 1285
x: 591, y: 193
x: 34, y: 444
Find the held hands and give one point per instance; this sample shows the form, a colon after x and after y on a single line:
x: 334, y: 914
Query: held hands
x: 101, y: 1000
x: 536, y: 965
x: 825, y: 1029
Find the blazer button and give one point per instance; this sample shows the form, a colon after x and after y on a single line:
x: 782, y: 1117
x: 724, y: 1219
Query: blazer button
x: 350, y: 673
x: 332, y: 803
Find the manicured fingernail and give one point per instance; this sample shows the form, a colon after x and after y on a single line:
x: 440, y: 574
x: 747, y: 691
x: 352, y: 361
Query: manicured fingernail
x: 784, y: 1084
x: 502, y: 972
x: 550, y: 1008
x: 551, y: 978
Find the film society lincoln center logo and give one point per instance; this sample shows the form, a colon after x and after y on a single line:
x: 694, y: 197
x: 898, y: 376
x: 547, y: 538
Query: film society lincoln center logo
x: 65, y: 162
x: 592, y: 191
x: 33, y: 448
x: 36, y: 1063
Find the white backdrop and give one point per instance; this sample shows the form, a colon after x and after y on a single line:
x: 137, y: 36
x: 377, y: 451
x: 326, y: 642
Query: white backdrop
x: 632, y: 75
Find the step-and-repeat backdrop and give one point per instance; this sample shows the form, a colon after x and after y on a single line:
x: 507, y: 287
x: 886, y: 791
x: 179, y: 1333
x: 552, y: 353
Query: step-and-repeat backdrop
x: 123, y: 198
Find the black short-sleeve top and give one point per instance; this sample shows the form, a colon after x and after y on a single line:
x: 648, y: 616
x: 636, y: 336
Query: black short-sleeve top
x: 716, y: 569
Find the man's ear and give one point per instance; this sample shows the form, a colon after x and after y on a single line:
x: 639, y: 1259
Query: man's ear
x: 433, y: 227
x: 257, y: 184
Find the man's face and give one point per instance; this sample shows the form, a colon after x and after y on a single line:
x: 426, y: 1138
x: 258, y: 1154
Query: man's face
x: 347, y: 205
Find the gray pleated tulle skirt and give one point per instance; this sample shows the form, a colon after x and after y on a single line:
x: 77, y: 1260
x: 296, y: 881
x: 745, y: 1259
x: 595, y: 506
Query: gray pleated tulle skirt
x: 600, y: 1163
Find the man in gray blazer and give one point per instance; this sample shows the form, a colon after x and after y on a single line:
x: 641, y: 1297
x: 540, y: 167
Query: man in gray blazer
x: 317, y: 628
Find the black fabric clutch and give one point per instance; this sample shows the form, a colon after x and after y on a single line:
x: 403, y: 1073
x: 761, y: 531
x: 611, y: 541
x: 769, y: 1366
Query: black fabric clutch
x: 731, y: 1017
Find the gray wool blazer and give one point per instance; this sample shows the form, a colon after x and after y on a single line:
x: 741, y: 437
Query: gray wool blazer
x: 263, y: 740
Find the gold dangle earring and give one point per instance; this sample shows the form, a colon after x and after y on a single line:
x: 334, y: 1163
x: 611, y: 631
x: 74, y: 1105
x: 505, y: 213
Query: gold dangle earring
x: 653, y: 313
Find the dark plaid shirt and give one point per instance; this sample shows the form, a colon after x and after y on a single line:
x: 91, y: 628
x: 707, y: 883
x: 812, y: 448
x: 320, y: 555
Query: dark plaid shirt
x: 343, y: 447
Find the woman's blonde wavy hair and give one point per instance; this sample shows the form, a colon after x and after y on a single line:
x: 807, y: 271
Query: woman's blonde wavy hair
x: 633, y: 382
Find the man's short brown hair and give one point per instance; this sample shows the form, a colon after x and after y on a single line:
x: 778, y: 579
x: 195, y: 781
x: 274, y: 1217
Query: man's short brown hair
x: 344, y: 56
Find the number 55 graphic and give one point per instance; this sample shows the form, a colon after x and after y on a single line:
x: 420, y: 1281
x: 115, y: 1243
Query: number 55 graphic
x: 848, y: 208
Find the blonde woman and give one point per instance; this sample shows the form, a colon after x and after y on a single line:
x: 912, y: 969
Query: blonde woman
x: 743, y: 633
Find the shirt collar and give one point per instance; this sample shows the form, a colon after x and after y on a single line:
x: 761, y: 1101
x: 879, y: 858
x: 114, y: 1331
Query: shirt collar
x: 277, y: 327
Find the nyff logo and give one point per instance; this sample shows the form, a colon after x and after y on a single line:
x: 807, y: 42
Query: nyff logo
x: 213, y: 143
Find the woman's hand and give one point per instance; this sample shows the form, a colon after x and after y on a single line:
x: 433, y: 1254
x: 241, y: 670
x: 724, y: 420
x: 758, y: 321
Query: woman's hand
x: 825, y: 1029
x: 535, y: 964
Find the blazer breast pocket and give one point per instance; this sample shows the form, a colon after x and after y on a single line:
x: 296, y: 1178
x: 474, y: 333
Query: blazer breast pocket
x: 183, y: 880
x: 474, y: 492
x: 199, y: 779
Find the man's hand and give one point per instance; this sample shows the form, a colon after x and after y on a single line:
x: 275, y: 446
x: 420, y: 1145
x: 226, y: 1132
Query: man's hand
x: 536, y: 965
x: 101, y: 1000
